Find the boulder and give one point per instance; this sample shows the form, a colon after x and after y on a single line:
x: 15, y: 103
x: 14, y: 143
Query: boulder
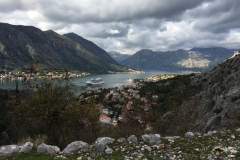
x: 99, y: 147
x: 75, y: 147
x: 47, y: 149
x: 151, y: 138
x: 101, y: 143
x: 8, y: 149
x: 26, y: 147
x: 132, y: 139
x: 189, y: 135
x: 209, y: 133
x: 108, y: 151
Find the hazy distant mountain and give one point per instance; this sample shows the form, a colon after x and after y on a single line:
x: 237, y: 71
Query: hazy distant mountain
x: 196, y: 58
x: 118, y: 56
x: 21, y: 45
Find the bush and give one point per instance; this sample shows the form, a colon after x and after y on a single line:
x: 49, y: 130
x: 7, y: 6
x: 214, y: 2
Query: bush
x: 51, y: 109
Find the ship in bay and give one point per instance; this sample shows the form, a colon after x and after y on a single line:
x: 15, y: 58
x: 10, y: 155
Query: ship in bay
x: 95, y: 81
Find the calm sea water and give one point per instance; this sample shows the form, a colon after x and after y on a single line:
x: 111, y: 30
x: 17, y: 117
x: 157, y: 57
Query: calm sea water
x: 111, y: 80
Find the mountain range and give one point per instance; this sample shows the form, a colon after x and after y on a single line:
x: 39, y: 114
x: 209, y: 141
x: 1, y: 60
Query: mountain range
x: 22, y: 45
x: 118, y: 56
x: 195, y: 58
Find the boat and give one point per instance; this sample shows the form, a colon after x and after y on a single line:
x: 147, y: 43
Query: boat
x: 129, y: 80
x: 95, y: 81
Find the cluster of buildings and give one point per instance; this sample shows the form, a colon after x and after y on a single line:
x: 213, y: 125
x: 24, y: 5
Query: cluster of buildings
x: 159, y: 77
x: 19, y: 75
x: 121, y: 103
x: 129, y: 71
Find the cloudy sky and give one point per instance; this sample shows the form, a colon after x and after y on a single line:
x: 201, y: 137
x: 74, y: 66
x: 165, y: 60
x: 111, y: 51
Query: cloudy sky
x: 127, y: 26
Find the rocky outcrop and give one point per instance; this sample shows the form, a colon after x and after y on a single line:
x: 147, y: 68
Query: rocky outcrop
x: 215, y: 105
x: 48, y: 149
x: 220, y: 96
x: 133, y: 139
x: 26, y: 147
x: 108, y: 150
x: 9, y: 149
x: 101, y: 143
x: 189, y: 135
x: 151, y: 138
x: 75, y: 147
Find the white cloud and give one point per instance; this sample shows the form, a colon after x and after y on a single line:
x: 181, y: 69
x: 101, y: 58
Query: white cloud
x: 113, y: 31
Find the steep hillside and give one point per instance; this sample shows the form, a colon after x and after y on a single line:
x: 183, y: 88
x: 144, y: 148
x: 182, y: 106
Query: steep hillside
x: 98, y: 52
x: 196, y: 58
x: 216, y: 106
x: 118, y: 56
x: 21, y: 45
x: 220, y: 98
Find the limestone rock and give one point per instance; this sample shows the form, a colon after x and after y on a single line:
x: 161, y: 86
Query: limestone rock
x: 108, y: 151
x: 8, y: 149
x: 132, y: 139
x: 189, y: 135
x: 152, y: 138
x: 26, y: 147
x: 101, y: 142
x: 47, y: 149
x: 99, y: 147
x: 75, y: 146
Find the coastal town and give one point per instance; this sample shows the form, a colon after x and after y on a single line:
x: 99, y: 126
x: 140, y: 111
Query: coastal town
x: 116, y: 103
x: 19, y: 74
x: 119, y: 104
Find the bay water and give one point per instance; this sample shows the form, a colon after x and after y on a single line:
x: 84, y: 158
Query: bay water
x: 110, y: 80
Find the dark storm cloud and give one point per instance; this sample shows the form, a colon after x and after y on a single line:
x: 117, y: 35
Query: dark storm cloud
x: 8, y: 6
x: 116, y: 11
x: 219, y: 16
x: 20, y: 5
x: 130, y: 25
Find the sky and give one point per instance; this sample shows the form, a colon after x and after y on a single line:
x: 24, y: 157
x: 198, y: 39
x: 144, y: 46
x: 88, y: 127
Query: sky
x: 127, y: 26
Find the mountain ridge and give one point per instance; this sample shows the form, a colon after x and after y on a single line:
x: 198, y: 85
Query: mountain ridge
x: 21, y: 45
x: 195, y: 58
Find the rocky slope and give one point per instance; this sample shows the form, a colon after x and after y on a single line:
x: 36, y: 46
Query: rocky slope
x: 217, y: 105
x: 21, y: 45
x: 196, y: 58
x: 220, y: 98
